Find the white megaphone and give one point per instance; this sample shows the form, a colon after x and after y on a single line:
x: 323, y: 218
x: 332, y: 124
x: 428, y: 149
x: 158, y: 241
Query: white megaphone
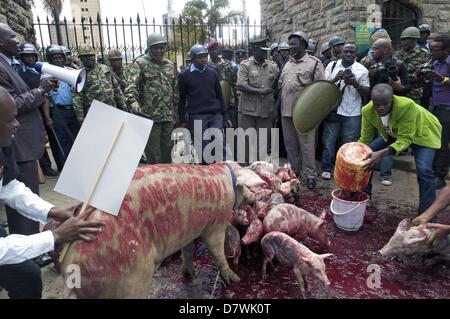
x: 76, y: 78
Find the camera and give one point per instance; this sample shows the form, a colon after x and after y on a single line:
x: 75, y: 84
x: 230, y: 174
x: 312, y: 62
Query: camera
x: 425, y: 68
x: 347, y: 73
x: 392, y: 71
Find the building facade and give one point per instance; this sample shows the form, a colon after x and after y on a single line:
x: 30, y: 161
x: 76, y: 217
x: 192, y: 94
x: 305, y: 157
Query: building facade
x: 85, y: 10
x: 322, y: 19
x: 17, y: 14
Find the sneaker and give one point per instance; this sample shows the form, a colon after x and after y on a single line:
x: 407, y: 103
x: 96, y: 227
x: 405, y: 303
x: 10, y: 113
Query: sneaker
x: 440, y: 182
x: 386, y: 180
x: 326, y: 175
x: 311, y: 183
x: 50, y: 172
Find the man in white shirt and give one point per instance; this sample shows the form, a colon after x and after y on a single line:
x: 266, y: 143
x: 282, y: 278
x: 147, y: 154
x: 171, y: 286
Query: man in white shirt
x: 352, y: 78
x: 19, y: 275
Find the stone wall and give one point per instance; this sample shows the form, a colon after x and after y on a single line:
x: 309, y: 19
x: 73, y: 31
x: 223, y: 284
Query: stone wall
x: 18, y: 15
x: 322, y: 19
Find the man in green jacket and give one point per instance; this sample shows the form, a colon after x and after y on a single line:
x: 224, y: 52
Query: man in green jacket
x: 401, y: 123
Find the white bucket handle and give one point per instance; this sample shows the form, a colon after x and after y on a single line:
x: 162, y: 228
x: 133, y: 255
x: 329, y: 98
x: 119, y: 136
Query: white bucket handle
x: 344, y: 213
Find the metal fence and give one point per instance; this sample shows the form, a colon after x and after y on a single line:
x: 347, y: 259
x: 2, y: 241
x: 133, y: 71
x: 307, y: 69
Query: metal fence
x: 130, y: 36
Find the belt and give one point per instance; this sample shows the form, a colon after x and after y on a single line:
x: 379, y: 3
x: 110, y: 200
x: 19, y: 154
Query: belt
x: 64, y: 107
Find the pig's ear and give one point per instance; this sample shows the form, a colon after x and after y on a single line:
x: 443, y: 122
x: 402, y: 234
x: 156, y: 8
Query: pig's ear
x: 323, y: 256
x: 404, y: 225
x: 306, y: 260
x: 411, y: 241
x: 323, y: 214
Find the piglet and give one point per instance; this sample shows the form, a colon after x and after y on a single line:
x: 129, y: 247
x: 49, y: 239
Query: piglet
x: 233, y: 245
x: 255, y: 231
x: 296, y: 222
x: 292, y: 254
x: 408, y: 241
x: 239, y: 217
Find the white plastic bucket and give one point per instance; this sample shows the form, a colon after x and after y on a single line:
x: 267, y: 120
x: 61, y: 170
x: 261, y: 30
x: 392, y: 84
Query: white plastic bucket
x: 348, y: 215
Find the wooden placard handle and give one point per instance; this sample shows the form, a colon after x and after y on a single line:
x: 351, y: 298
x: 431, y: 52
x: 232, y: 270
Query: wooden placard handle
x: 94, y: 185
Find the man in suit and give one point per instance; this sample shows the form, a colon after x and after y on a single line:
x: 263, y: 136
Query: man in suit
x: 28, y: 145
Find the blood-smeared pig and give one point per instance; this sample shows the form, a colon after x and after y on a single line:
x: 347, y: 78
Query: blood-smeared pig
x: 409, y: 241
x: 296, y: 222
x: 291, y: 253
x: 166, y: 207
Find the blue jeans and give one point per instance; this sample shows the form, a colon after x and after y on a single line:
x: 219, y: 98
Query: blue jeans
x: 209, y: 120
x: 423, y: 156
x: 348, y: 127
x: 387, y: 162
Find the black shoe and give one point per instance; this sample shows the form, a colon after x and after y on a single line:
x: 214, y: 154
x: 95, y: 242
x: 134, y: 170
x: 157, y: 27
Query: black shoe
x: 3, y: 223
x: 440, y: 182
x: 311, y: 183
x: 50, y: 172
x: 43, y: 260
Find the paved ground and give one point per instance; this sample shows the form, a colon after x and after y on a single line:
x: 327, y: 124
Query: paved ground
x: 354, y: 252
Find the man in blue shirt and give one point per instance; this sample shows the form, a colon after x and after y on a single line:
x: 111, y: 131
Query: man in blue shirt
x: 201, y: 103
x: 65, y: 122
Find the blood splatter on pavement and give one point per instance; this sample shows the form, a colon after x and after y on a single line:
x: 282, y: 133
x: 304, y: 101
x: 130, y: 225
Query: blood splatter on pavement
x: 349, y: 270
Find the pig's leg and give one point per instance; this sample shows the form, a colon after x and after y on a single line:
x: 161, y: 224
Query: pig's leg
x: 237, y: 255
x: 269, y: 255
x: 214, y: 239
x: 301, y: 282
x: 137, y: 283
x: 187, y: 255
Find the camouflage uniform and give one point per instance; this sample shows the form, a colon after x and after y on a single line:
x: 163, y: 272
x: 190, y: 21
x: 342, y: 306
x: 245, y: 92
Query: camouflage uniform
x: 120, y: 75
x: 412, y: 61
x: 100, y: 85
x: 226, y: 73
x: 153, y: 87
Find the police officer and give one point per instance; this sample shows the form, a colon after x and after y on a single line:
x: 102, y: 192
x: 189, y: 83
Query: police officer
x: 299, y: 71
x: 425, y: 31
x: 152, y: 89
x: 413, y: 57
x: 325, y: 52
x: 115, y: 62
x: 336, y: 43
x: 257, y: 104
x: 101, y: 84
x: 60, y: 102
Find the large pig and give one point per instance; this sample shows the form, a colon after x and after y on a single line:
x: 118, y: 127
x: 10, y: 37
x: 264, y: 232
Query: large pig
x: 408, y: 241
x: 292, y: 254
x: 166, y: 207
x: 296, y: 222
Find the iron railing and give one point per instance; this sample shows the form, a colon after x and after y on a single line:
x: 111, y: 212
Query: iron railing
x: 130, y: 36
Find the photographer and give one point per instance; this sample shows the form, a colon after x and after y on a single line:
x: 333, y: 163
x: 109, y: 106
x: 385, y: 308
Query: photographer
x: 440, y: 74
x: 352, y: 78
x: 386, y: 69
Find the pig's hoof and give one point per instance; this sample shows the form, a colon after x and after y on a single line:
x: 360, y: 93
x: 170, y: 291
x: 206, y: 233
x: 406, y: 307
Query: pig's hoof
x: 188, y: 273
x: 229, y: 276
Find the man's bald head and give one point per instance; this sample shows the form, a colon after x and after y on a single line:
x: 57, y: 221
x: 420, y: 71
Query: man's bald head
x: 382, y: 95
x: 382, y: 49
x: 8, y: 122
x: 9, y: 44
x: 383, y: 43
